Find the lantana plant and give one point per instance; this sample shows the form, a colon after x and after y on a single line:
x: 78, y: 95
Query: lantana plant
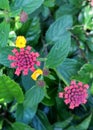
x: 46, y: 64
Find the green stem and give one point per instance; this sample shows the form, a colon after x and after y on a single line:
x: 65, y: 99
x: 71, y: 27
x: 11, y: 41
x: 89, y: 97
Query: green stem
x: 8, y: 122
x: 76, y: 26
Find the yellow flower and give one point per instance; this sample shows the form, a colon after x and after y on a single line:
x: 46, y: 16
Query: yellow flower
x: 35, y: 75
x: 20, y: 42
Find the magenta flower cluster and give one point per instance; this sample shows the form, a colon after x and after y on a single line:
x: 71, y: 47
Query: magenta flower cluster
x: 24, y: 60
x: 75, y: 94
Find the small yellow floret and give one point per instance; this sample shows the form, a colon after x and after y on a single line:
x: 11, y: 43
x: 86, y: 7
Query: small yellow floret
x: 20, y: 42
x: 35, y: 75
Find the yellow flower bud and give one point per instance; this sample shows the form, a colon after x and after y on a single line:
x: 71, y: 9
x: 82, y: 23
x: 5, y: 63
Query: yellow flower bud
x: 36, y: 73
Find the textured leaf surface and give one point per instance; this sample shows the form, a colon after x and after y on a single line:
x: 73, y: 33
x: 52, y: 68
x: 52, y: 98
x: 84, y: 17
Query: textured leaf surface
x: 49, y: 3
x: 33, y: 96
x: 21, y: 126
x: 33, y: 32
x: 85, y: 74
x: 67, y: 69
x: 4, y: 4
x: 62, y: 125
x: 41, y: 122
x: 27, y: 5
x: 82, y: 126
x: 25, y: 114
x: 27, y: 81
x: 10, y: 90
x: 4, y: 52
x: 65, y: 9
x: 59, y: 52
x: 76, y: 3
x: 26, y: 111
x: 4, y: 32
x: 58, y: 29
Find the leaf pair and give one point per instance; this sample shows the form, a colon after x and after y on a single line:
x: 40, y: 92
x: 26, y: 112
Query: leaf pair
x: 59, y: 36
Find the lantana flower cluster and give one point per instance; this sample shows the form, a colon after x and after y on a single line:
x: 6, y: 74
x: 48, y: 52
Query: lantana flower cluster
x: 23, y: 59
x: 75, y: 94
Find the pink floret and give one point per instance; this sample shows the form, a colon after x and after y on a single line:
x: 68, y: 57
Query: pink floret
x: 60, y: 95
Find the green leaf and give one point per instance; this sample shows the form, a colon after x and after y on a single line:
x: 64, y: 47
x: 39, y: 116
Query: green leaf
x: 85, y: 74
x: 4, y: 33
x: 27, y: 110
x: 4, y: 52
x: 59, y: 52
x: 10, y: 90
x: 51, y: 77
x: 60, y: 2
x: 65, y: 9
x: 58, y: 34
x: 27, y: 5
x: 27, y: 81
x: 84, y: 124
x: 14, y: 13
x: 34, y: 96
x: 67, y: 69
x: 43, y: 118
x: 85, y: 17
x: 49, y: 3
x: 51, y: 92
x: 33, y: 32
x: 45, y: 12
x: 77, y: 3
x: 25, y: 114
x: 41, y: 122
x: 4, y: 4
x: 21, y: 126
x: 91, y: 89
x: 58, y: 29
x: 62, y: 110
x: 90, y: 43
x: 71, y: 128
x: 62, y: 124
x: 1, y: 124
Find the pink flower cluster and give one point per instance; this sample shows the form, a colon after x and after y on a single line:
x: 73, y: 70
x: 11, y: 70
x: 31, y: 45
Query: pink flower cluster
x: 24, y: 60
x: 75, y: 94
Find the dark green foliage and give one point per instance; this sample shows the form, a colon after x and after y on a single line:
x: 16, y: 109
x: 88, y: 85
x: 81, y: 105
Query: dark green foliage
x: 61, y: 31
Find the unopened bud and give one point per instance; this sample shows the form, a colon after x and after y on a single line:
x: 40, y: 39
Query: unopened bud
x: 41, y: 83
x: 45, y: 72
x: 23, y: 17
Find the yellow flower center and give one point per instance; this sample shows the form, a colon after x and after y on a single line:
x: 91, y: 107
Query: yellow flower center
x: 35, y: 75
x: 20, y: 42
